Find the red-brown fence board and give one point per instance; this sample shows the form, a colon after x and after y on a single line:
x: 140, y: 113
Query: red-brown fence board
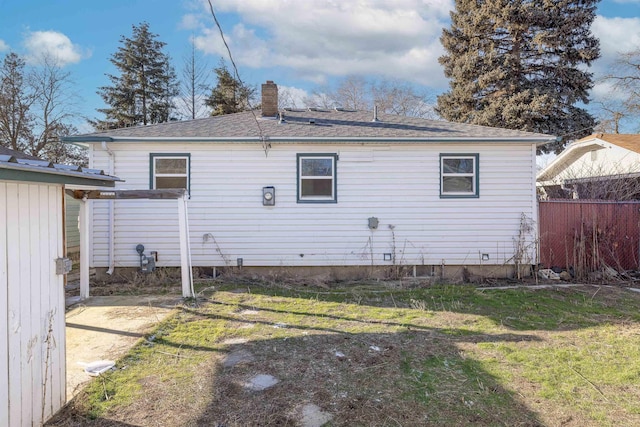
x: 594, y: 233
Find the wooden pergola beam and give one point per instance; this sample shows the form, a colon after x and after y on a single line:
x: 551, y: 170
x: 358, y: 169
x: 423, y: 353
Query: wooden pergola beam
x: 180, y: 195
x: 127, y: 194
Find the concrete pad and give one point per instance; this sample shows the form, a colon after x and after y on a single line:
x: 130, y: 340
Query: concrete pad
x: 106, y: 328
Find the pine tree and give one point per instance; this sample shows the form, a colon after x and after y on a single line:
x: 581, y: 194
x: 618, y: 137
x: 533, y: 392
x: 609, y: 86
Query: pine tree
x: 519, y: 64
x: 143, y: 92
x: 230, y: 95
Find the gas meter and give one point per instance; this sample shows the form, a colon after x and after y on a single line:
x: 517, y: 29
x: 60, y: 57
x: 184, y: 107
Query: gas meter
x: 147, y: 262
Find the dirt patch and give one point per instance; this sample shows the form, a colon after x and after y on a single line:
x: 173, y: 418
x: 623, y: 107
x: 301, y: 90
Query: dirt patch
x: 106, y: 327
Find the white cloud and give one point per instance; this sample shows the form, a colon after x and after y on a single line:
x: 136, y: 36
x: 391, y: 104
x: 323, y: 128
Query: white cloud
x: 318, y: 39
x: 190, y: 21
x: 52, y: 44
x: 605, y: 91
x: 3, y: 46
x: 291, y: 96
x: 616, y: 35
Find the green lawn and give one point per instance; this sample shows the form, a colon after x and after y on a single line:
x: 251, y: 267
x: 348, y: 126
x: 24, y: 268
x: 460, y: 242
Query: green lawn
x: 382, y: 356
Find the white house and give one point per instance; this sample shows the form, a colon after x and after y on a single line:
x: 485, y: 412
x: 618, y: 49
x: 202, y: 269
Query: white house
x: 599, y: 166
x: 319, y: 188
x: 32, y: 267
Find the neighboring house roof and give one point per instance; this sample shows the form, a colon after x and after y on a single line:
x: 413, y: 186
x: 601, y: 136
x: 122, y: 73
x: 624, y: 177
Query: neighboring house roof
x: 16, y: 166
x: 314, y: 125
x: 577, y: 149
x: 629, y: 141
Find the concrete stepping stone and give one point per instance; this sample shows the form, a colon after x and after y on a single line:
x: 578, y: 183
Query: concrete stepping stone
x: 314, y: 416
x: 237, y: 357
x: 261, y: 382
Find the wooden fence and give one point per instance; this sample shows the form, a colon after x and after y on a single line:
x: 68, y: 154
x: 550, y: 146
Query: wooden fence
x: 588, y: 235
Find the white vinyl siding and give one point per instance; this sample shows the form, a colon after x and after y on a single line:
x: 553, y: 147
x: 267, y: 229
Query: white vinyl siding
x: 398, y: 184
x: 612, y: 160
x: 72, y: 233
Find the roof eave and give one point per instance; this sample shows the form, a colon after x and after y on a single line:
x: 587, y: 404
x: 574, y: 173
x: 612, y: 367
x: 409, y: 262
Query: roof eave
x: 565, y: 159
x: 538, y: 141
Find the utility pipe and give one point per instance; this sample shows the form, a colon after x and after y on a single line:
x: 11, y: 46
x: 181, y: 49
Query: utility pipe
x: 111, y: 225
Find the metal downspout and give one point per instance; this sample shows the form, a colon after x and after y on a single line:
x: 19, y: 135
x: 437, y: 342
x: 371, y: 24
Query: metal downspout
x: 110, y: 230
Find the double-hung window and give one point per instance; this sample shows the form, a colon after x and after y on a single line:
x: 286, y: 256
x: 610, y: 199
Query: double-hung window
x: 459, y: 175
x: 169, y: 170
x: 317, y: 178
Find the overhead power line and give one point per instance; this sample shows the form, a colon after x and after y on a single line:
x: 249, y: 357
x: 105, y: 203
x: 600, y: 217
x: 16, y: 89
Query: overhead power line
x: 265, y: 140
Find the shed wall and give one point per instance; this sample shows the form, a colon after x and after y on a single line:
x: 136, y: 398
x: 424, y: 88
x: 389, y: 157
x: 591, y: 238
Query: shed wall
x: 32, y: 324
x: 398, y: 184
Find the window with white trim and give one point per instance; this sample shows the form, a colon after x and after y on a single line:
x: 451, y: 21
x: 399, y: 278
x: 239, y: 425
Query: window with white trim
x: 170, y: 170
x: 459, y: 175
x: 317, y: 178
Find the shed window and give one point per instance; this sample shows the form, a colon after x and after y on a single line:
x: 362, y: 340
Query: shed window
x: 459, y: 175
x: 170, y: 170
x: 317, y: 178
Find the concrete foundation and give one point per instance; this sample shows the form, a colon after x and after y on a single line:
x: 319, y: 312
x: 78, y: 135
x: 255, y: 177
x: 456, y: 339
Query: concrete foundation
x: 449, y: 273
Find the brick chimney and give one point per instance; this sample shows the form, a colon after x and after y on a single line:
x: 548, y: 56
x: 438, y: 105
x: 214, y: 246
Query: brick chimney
x: 269, y: 99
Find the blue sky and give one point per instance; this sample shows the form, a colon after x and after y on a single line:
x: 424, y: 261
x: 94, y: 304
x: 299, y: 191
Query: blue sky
x: 300, y: 44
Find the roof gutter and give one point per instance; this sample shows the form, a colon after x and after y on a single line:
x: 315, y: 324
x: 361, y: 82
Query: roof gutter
x: 314, y: 140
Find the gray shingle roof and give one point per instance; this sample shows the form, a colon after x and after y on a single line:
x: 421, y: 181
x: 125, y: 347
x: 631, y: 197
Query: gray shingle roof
x: 311, y: 124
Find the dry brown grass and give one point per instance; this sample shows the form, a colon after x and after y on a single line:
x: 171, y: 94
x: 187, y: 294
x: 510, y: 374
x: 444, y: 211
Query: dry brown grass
x: 383, y: 358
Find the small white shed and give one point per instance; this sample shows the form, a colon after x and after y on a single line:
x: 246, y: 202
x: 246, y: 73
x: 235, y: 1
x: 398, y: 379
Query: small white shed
x: 32, y: 302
